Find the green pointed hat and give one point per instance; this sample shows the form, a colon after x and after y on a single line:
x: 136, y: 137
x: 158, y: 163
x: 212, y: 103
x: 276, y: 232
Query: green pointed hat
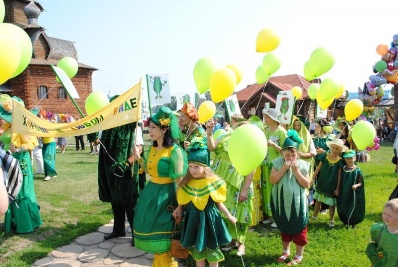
x: 197, y: 152
x: 292, y: 140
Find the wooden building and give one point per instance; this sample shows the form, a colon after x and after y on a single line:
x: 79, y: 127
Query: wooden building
x: 253, y: 98
x: 37, y: 84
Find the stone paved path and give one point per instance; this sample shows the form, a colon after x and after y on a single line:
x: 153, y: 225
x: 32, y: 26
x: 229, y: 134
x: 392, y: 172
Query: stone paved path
x: 93, y: 250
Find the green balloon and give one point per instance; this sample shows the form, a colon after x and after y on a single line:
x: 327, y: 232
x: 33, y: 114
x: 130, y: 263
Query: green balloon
x: 380, y: 65
x: 328, y: 88
x: 253, y: 140
x: 308, y: 71
x: 363, y: 134
x: 271, y: 63
x: 202, y: 73
x: 2, y: 11
x: 261, y: 75
x: 96, y: 101
x: 321, y: 61
x: 219, y: 133
x: 69, y: 65
x: 312, y: 89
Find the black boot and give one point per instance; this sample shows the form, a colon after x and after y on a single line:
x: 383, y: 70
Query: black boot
x: 118, y: 223
x: 113, y: 235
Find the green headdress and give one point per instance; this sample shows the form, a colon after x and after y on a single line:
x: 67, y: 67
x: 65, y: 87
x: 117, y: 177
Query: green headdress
x: 292, y: 140
x: 197, y: 151
x: 166, y: 118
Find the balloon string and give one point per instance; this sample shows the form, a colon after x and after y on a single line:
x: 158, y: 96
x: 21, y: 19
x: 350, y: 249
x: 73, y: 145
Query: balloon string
x: 45, y: 96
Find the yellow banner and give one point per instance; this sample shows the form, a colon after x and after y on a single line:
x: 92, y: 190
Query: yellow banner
x: 123, y: 110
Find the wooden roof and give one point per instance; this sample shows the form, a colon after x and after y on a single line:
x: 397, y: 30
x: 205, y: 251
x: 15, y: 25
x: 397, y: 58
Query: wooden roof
x: 283, y: 83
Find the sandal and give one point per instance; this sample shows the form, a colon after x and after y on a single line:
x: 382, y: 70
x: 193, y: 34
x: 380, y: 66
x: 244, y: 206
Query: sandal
x: 283, y: 257
x: 229, y: 246
x: 331, y: 224
x: 295, y: 261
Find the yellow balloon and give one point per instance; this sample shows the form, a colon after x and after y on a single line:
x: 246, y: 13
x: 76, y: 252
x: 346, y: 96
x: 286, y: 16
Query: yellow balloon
x: 267, y: 40
x: 10, y: 53
x: 353, y: 109
x: 222, y: 84
x: 340, y: 92
x: 297, y: 92
x: 237, y: 71
x: 323, y: 104
x: 206, y: 111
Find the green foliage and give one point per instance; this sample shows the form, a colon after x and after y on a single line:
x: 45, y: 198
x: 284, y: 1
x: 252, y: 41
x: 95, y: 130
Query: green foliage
x: 70, y: 208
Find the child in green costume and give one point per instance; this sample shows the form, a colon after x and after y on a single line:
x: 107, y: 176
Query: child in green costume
x: 290, y: 178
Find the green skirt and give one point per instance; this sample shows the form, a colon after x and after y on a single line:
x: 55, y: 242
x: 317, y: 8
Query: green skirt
x: 153, y: 220
x: 23, y: 214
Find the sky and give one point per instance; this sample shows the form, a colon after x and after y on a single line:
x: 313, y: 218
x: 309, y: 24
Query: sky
x: 127, y: 39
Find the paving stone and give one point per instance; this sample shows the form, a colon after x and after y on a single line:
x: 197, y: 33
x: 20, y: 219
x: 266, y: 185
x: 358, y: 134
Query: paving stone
x: 112, y: 259
x: 149, y: 256
x: 121, y: 240
x: 106, y: 244
x: 93, y: 255
x: 68, y: 251
x: 43, y: 262
x: 106, y: 229
x: 98, y: 264
x: 126, y: 251
x: 65, y: 263
x: 90, y: 239
x: 136, y: 262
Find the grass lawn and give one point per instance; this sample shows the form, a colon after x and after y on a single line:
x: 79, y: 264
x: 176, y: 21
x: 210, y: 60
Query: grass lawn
x: 70, y: 208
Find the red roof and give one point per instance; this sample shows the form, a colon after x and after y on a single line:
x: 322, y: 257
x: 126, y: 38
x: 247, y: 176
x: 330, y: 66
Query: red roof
x: 282, y: 82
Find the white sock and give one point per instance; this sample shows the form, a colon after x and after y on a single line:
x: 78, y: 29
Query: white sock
x: 299, y: 257
x: 287, y: 251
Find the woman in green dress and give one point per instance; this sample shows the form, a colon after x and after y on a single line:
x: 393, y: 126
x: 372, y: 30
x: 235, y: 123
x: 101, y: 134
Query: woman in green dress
x: 239, y: 188
x: 23, y: 214
x: 166, y: 164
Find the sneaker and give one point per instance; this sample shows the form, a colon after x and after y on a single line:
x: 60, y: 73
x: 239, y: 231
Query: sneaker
x: 294, y: 261
x: 324, y: 212
x: 273, y: 225
x: 283, y: 257
x: 331, y: 224
x: 47, y: 178
x: 313, y: 218
x: 54, y: 176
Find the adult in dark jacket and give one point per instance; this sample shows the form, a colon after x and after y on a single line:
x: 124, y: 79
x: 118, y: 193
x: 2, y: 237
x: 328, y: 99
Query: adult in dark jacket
x: 118, y: 183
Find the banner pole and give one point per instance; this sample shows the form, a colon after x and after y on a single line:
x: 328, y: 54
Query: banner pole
x: 149, y: 97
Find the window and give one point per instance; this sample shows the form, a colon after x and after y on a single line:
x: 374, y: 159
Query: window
x: 61, y: 93
x: 42, y: 92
